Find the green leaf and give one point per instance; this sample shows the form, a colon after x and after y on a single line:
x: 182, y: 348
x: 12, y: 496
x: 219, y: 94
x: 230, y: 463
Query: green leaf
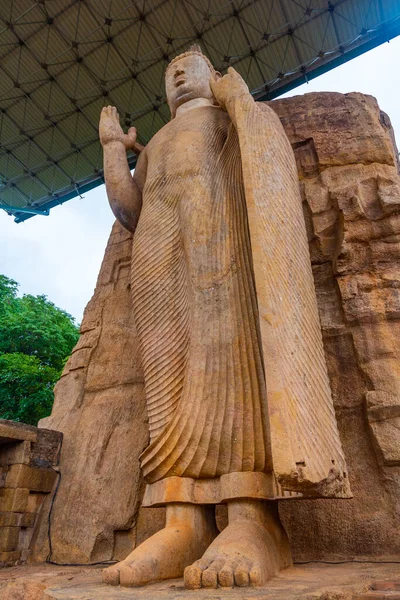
x: 36, y: 337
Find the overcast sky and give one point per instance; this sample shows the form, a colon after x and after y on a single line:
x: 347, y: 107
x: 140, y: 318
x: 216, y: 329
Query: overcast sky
x: 60, y: 255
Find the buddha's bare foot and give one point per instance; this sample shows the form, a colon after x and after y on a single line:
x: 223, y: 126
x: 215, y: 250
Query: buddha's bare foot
x: 251, y: 550
x: 189, y: 530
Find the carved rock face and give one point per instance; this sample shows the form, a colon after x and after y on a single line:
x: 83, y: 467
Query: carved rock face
x: 187, y: 79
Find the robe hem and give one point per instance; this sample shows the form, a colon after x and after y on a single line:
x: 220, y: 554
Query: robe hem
x: 231, y: 486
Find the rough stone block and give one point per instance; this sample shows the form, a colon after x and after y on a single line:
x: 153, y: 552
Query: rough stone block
x: 381, y: 595
x: 36, y: 480
x: 35, y: 501
x: 388, y: 193
x: 317, y: 195
x: 11, y: 430
x: 14, y: 519
x: 13, y: 499
x: 376, y: 341
x: 15, y: 453
x: 383, y: 374
x: 388, y: 586
x: 25, y: 538
x: 329, y: 304
x: 45, y: 452
x: 345, y: 128
x: 3, y: 474
x: 9, y: 537
x: 382, y: 405
x: 386, y: 434
x: 383, y: 411
x: 347, y: 383
x: 9, y: 558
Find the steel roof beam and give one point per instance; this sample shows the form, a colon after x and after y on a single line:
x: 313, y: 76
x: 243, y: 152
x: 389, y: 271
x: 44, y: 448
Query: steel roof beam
x: 14, y: 210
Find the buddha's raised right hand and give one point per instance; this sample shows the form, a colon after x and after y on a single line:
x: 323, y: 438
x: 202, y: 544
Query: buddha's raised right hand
x: 110, y: 130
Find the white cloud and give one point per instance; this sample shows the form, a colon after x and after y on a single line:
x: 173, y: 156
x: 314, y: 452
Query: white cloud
x: 59, y: 255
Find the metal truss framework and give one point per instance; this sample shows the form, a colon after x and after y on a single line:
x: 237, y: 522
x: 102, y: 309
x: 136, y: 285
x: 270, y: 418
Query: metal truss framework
x: 61, y: 61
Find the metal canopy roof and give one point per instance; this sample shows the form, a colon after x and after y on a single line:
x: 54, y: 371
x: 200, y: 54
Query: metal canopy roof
x: 61, y: 61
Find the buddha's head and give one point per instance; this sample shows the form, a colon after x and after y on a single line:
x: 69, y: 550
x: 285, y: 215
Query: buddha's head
x: 188, y: 77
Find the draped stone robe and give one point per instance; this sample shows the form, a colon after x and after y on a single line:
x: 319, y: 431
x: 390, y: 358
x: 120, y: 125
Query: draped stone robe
x: 195, y: 305
x: 196, y: 311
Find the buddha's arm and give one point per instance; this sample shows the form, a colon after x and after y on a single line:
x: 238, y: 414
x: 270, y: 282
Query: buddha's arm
x: 124, y: 191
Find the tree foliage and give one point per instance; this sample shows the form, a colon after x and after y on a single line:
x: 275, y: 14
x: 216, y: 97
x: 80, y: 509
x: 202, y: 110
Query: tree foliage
x: 36, y: 337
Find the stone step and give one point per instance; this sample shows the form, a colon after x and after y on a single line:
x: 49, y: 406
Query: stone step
x: 382, y: 590
x: 386, y: 585
x: 378, y: 595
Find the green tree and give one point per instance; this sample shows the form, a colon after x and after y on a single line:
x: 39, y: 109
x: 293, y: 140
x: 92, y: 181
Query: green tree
x: 36, y: 337
x: 26, y: 388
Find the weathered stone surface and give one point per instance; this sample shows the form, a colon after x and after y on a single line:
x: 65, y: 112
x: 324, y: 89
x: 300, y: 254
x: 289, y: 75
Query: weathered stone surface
x: 41, y: 451
x: 99, y: 407
x: 35, y: 479
x: 27, y: 455
x: 8, y: 559
x: 14, y: 500
x: 331, y: 129
x: 386, y: 433
x: 14, y: 519
x: 35, y: 501
x: 15, y: 453
x: 9, y: 539
x: 302, y: 582
x: 148, y: 522
x: 45, y: 452
x: 386, y: 586
x: 10, y: 430
x: 3, y: 474
x: 351, y: 194
x: 349, y: 182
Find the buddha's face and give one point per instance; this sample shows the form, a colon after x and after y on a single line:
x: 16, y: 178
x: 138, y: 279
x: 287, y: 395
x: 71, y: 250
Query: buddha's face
x: 186, y: 79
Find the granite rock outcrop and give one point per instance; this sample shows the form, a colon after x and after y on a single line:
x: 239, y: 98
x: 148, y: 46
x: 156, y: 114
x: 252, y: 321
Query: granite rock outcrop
x: 349, y: 179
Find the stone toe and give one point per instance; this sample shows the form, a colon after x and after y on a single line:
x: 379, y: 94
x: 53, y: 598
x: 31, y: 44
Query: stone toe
x: 139, y: 573
x: 242, y: 574
x: 209, y: 578
x: 256, y: 576
x: 129, y: 576
x: 192, y: 575
x: 111, y: 575
x: 226, y: 574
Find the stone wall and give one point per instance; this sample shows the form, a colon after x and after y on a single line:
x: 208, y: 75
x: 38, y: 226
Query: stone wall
x: 349, y: 180
x: 28, y: 473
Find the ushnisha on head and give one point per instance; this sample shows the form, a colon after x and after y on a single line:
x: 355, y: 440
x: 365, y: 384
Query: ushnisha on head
x: 188, y: 77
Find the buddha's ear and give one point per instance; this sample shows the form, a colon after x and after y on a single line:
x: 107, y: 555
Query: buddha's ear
x: 217, y: 75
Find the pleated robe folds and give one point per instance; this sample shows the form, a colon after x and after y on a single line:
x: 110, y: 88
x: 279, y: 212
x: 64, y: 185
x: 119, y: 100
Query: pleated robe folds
x: 215, y: 194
